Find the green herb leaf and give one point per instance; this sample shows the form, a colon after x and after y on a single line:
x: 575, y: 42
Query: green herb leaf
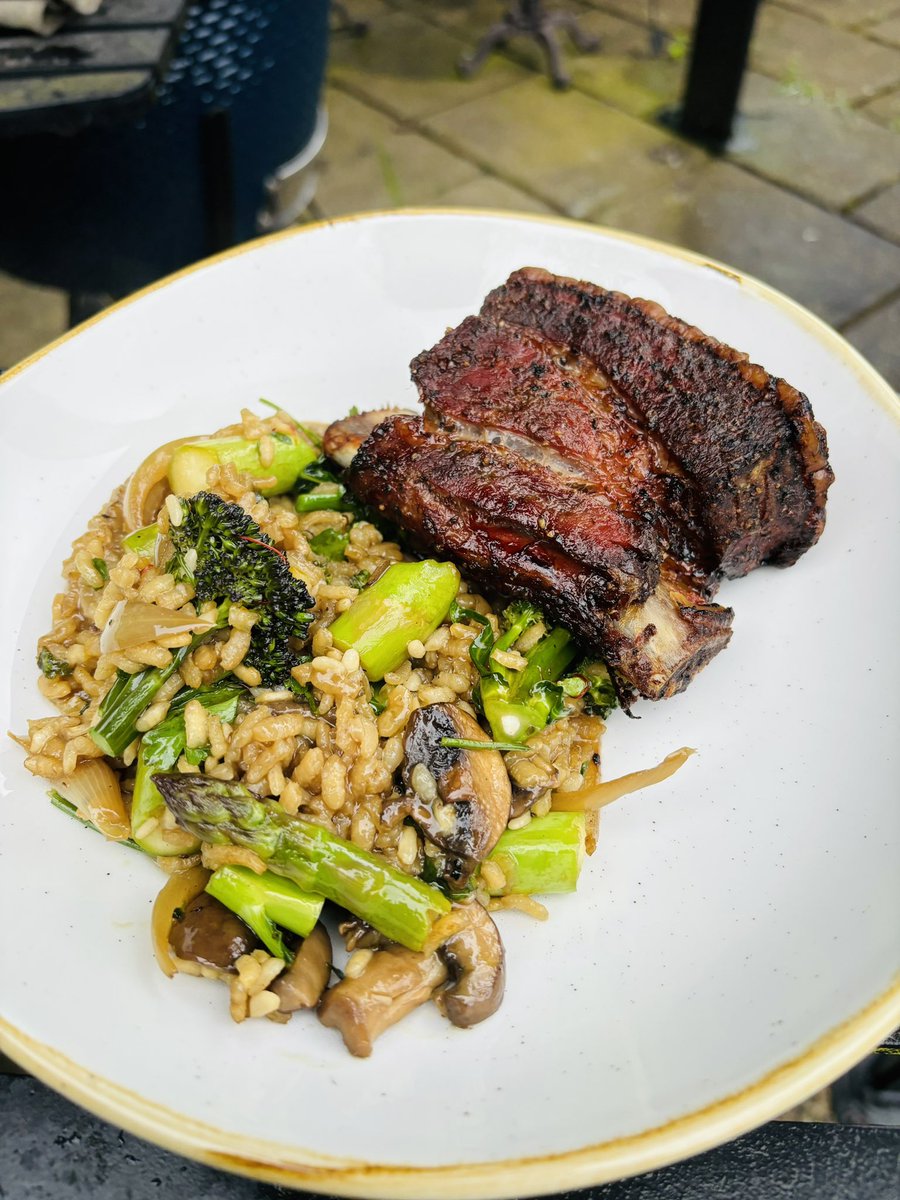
x: 101, y: 568
x: 51, y: 666
x: 359, y: 580
x: 474, y: 744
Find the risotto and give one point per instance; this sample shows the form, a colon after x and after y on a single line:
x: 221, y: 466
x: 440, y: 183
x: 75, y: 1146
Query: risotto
x: 315, y: 727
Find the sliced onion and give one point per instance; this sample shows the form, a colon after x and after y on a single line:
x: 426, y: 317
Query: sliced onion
x: 148, y: 487
x: 93, y: 787
x: 134, y: 622
x: 178, y: 892
x: 600, y: 794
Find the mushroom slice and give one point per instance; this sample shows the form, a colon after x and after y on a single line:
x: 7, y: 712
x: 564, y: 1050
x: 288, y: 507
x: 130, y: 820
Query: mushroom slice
x: 394, y: 982
x: 210, y: 934
x: 463, y: 797
x: 304, y: 981
x: 343, y: 438
x: 359, y: 935
x: 475, y: 960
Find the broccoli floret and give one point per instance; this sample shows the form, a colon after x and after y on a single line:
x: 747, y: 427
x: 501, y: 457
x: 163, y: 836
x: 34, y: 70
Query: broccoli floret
x: 225, y: 554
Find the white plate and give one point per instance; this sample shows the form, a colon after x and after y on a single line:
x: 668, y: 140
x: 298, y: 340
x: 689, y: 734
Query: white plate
x: 734, y: 942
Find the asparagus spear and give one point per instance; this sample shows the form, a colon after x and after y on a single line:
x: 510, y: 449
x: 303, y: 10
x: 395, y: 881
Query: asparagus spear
x: 161, y: 747
x: 397, y: 905
x: 191, y: 461
x: 115, y: 729
x: 405, y: 604
x: 126, y: 700
x: 543, y: 857
x: 264, y: 902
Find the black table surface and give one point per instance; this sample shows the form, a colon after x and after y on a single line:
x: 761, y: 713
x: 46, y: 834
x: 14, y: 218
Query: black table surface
x: 52, y: 1150
x: 100, y: 68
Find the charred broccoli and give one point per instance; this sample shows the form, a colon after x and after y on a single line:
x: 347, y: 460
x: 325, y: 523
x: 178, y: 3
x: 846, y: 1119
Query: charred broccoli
x: 225, y: 554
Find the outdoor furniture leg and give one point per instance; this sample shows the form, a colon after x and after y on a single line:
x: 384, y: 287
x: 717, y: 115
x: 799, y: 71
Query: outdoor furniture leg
x: 719, y: 51
x: 344, y: 22
x: 529, y: 17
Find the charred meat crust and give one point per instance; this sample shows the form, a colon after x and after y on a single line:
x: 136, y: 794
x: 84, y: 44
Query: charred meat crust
x: 512, y: 523
x: 748, y: 441
x: 512, y: 386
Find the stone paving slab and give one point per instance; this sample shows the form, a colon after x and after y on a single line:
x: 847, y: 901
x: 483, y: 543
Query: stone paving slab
x: 833, y: 267
x: 877, y: 337
x: 408, y: 67
x: 885, y: 110
x: 371, y: 162
x: 629, y: 72
x: 882, y: 213
x: 30, y: 316
x: 570, y: 151
x: 487, y: 192
x: 828, y: 153
x: 674, y: 16
x: 886, y: 31
x: 842, y: 65
x: 847, y: 13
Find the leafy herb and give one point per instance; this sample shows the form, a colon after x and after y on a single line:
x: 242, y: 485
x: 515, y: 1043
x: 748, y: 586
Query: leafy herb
x: 475, y: 744
x: 101, y: 568
x: 359, y: 580
x: 51, y: 666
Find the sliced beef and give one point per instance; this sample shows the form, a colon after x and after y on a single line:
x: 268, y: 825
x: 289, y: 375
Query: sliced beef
x: 527, y: 530
x: 748, y: 441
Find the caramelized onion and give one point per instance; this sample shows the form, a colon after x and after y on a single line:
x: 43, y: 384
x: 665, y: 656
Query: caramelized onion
x: 148, y: 487
x: 134, y: 622
x: 93, y: 787
x: 178, y: 892
x: 601, y: 794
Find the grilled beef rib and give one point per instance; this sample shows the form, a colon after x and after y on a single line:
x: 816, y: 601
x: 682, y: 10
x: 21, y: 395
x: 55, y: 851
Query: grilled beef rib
x: 602, y: 459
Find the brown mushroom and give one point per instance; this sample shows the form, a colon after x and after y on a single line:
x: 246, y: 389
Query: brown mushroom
x: 393, y: 982
x: 359, y: 935
x: 462, y: 797
x: 304, y: 981
x: 474, y: 958
x: 210, y: 934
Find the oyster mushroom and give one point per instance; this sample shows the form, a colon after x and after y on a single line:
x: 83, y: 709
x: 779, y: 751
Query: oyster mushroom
x: 343, y: 438
x: 475, y: 962
x: 393, y: 982
x: 210, y: 934
x: 304, y: 981
x: 460, y: 797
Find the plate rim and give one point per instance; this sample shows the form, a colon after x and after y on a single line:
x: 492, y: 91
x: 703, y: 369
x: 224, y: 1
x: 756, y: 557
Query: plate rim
x: 289, y: 1165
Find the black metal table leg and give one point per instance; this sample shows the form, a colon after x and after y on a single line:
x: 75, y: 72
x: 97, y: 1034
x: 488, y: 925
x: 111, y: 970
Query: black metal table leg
x: 529, y: 18
x: 719, y: 51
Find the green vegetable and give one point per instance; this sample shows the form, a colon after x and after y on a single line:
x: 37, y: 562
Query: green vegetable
x: 474, y: 744
x: 264, y: 902
x: 317, y: 860
x: 120, y: 708
x: 225, y: 555
x: 190, y: 462
x: 143, y: 541
x: 160, y: 749
x: 330, y: 543
x: 310, y: 434
x: 543, y: 857
x: 115, y: 729
x: 101, y: 568
x: 519, y: 703
x: 51, y: 666
x: 600, y: 698
x: 323, y: 497
x: 305, y: 691
x: 359, y: 580
x: 405, y: 604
